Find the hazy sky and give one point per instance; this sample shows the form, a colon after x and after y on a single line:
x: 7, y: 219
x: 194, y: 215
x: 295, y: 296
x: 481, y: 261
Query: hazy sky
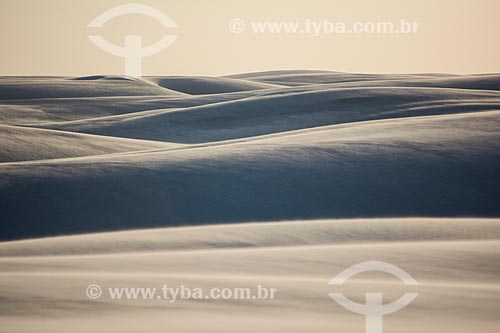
x: 49, y: 37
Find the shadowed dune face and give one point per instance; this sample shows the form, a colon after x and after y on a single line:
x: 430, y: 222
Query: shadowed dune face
x: 30, y: 144
x: 59, y: 87
x: 208, y: 85
x: 310, y: 145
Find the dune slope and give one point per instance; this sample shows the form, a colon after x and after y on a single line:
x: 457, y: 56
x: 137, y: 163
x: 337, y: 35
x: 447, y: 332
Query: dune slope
x: 208, y: 85
x: 455, y: 262
x: 420, y: 166
x: 27, y: 144
x: 337, y: 145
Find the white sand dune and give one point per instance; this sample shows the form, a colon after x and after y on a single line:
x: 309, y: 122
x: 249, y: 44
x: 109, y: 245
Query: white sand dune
x: 25, y: 144
x: 419, y: 166
x: 304, y: 78
x: 35, y: 111
x: 200, y: 85
x: 301, y: 77
x: 320, y: 150
x: 107, y: 179
x: 59, y: 87
x: 455, y: 262
x: 258, y: 235
x: 284, y: 112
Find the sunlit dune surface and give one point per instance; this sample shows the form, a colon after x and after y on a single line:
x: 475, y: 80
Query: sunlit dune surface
x: 455, y: 261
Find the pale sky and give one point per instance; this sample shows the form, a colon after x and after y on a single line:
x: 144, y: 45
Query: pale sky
x: 49, y: 37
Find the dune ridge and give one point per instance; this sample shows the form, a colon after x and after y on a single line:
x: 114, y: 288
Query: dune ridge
x: 253, y: 235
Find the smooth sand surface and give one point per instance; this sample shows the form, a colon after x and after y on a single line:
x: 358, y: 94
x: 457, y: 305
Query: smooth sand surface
x: 134, y: 153
x: 455, y: 261
x: 281, y: 179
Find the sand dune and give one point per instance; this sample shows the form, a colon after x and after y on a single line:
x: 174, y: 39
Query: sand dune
x: 284, y: 112
x: 320, y: 150
x: 208, y: 85
x: 251, y: 235
x: 454, y: 261
x: 35, y: 111
x: 26, y: 144
x: 302, y: 77
x: 59, y: 87
x: 418, y: 166
x: 281, y: 178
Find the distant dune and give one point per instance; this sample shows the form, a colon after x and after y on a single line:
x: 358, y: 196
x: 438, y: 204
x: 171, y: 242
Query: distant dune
x: 208, y: 85
x: 283, y: 111
x: 59, y: 87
